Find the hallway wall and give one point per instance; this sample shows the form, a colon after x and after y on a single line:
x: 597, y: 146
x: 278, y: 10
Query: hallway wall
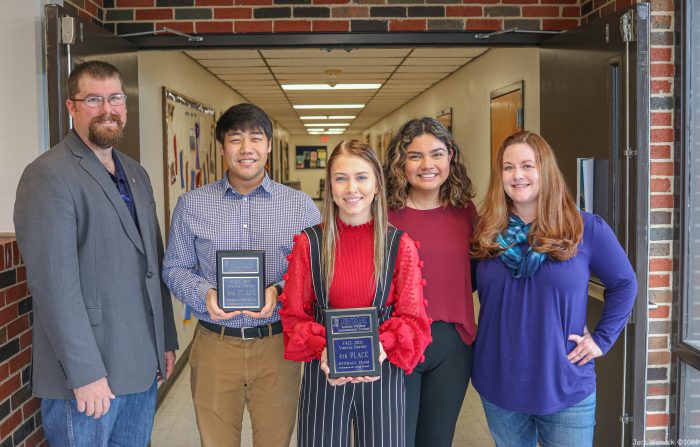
x: 176, y: 71
x: 23, y: 118
x: 309, y: 178
x: 467, y: 91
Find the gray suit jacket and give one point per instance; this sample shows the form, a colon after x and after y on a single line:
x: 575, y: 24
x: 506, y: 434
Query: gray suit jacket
x: 100, y: 308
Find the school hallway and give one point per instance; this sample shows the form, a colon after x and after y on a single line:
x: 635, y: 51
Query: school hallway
x: 175, y: 424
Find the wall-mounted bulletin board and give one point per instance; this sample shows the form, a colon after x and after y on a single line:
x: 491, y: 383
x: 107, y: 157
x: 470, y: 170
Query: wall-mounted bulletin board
x: 191, y: 157
x: 311, y: 157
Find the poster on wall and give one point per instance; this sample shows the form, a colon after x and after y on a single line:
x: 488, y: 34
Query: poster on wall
x: 384, y: 143
x: 445, y: 118
x: 284, y: 153
x: 311, y: 157
x: 190, y: 154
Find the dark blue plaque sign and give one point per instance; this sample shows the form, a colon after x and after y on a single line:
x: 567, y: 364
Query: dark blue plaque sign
x: 240, y: 291
x: 346, y: 324
x: 353, y: 356
x: 353, y: 342
x: 240, y: 279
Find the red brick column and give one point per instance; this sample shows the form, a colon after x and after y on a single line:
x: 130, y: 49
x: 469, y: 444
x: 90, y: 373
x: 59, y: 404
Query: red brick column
x: 658, y: 414
x: 20, y: 419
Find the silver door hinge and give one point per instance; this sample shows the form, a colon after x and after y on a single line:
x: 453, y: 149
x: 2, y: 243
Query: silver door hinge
x: 627, y: 27
x: 626, y: 418
x: 630, y: 153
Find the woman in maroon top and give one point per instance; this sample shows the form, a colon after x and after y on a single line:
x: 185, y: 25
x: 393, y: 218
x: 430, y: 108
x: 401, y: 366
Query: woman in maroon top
x: 352, y: 247
x: 429, y: 196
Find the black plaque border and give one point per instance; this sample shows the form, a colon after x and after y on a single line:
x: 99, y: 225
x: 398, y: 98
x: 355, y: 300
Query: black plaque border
x: 260, y: 255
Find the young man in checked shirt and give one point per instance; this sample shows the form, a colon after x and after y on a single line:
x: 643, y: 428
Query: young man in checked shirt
x: 232, y: 367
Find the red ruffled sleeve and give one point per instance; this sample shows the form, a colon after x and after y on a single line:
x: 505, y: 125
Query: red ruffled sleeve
x: 304, y: 338
x: 406, y: 334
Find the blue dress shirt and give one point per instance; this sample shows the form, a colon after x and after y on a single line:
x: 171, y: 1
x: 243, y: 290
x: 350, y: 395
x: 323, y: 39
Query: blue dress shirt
x: 217, y: 217
x: 122, y: 183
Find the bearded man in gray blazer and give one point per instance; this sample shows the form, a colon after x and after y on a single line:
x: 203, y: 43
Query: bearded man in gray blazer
x: 86, y: 225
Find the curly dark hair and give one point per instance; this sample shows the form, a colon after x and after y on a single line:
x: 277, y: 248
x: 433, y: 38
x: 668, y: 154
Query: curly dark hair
x: 457, y: 190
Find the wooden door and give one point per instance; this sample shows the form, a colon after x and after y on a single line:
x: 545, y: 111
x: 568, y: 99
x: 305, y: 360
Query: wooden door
x: 506, y: 114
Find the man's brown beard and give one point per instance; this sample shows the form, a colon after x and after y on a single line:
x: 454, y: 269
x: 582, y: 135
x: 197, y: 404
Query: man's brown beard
x: 106, y: 137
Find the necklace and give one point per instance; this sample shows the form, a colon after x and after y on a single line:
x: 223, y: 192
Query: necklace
x: 412, y: 203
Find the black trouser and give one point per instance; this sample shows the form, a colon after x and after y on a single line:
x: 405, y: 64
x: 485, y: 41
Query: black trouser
x: 435, y: 389
x: 375, y: 409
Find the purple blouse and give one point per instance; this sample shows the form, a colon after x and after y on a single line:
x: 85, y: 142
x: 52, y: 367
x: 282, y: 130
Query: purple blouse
x: 520, y: 351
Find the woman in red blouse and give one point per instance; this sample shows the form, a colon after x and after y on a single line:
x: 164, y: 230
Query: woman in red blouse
x: 429, y: 196
x: 352, y: 251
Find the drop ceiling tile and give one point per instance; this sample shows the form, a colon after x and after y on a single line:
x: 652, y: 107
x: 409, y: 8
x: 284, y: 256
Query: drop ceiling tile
x: 335, y: 53
x: 252, y: 71
x: 211, y: 63
x: 437, y: 61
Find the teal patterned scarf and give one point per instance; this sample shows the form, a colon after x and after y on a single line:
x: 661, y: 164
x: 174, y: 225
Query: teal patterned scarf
x: 516, y: 233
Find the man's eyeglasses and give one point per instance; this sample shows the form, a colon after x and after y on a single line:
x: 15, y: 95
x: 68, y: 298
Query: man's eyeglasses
x: 98, y: 101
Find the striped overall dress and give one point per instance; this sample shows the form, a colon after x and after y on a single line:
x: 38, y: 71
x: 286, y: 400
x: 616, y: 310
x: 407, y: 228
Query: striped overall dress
x: 375, y: 411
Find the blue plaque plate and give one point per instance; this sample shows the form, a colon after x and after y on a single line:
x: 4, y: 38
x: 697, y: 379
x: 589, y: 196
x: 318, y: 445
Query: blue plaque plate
x: 351, y: 323
x: 239, y: 265
x: 353, y: 342
x: 240, y: 277
x: 353, y: 356
x: 240, y: 291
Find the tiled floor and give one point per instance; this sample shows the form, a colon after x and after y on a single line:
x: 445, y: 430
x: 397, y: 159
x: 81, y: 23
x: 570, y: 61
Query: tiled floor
x: 175, y: 424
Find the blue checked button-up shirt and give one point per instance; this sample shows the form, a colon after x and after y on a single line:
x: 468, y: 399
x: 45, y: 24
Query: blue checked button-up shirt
x: 217, y: 217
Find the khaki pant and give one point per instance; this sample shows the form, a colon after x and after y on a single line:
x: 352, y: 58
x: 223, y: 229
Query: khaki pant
x: 229, y: 373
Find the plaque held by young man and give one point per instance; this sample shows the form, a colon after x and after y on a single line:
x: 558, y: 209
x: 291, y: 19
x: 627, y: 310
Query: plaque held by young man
x: 352, y: 342
x: 240, y: 279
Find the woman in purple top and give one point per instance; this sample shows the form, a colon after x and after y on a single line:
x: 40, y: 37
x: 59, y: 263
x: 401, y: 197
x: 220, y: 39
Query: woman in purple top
x: 533, y: 352
x: 429, y: 195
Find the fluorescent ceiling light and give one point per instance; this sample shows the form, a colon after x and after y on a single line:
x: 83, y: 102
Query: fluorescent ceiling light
x: 336, y: 130
x: 332, y: 117
x: 326, y: 124
x: 328, y: 106
x: 330, y: 87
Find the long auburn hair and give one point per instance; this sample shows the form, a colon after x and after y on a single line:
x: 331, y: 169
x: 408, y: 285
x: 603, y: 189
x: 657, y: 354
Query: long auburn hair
x: 456, y: 191
x: 558, y: 227
x: 360, y: 149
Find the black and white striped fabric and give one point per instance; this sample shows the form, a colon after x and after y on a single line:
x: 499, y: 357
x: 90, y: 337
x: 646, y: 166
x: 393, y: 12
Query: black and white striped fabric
x: 377, y: 409
x: 326, y: 413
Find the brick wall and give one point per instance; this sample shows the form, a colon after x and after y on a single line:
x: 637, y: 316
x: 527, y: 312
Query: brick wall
x: 20, y: 419
x: 267, y: 16
x: 90, y: 10
x: 658, y: 415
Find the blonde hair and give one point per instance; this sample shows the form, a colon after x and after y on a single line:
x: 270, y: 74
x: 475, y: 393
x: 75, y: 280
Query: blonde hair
x: 558, y: 227
x: 360, y: 149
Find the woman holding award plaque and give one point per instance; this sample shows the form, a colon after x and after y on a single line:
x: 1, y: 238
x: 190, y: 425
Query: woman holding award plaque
x: 429, y: 196
x: 533, y: 355
x: 352, y: 265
